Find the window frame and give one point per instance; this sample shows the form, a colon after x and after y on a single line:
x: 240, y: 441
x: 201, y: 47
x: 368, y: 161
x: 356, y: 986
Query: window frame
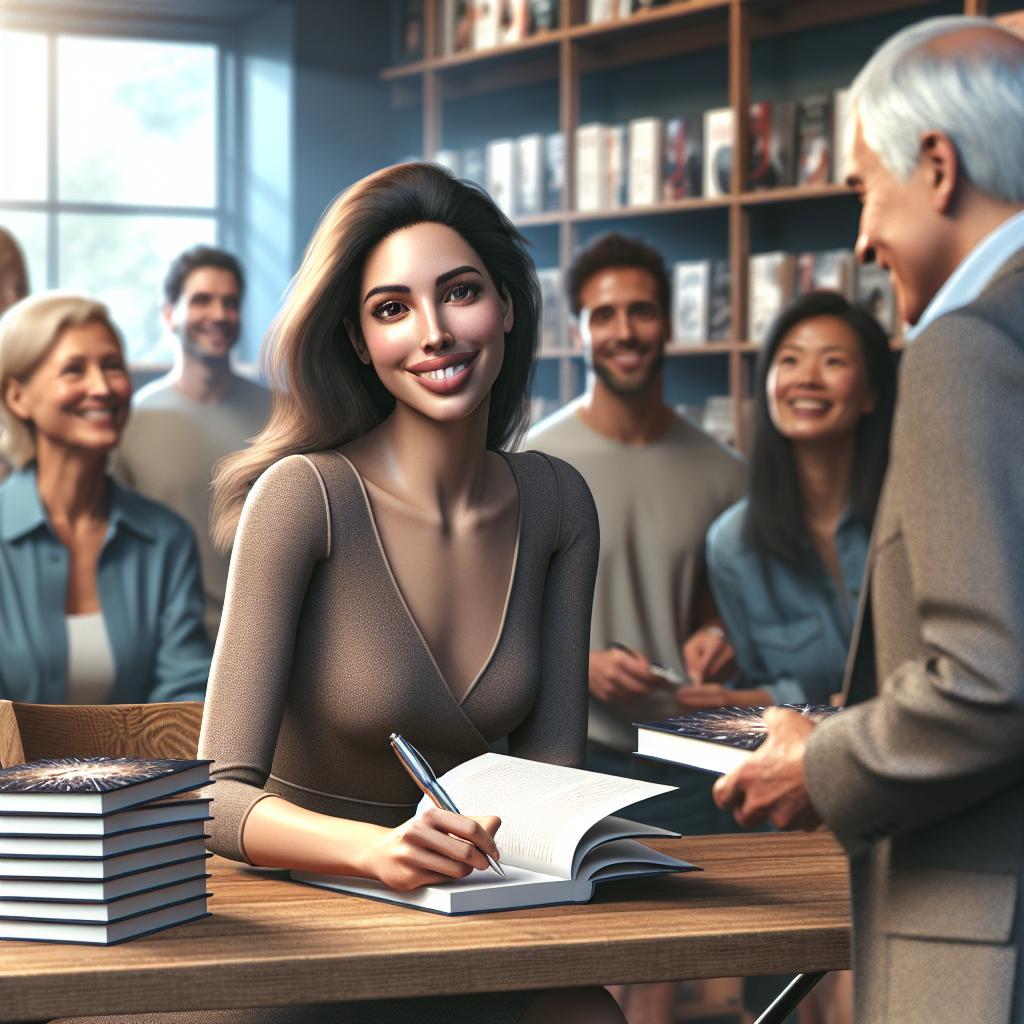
x: 227, y: 143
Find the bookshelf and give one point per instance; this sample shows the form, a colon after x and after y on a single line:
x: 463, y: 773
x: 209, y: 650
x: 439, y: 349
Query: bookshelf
x: 680, y: 58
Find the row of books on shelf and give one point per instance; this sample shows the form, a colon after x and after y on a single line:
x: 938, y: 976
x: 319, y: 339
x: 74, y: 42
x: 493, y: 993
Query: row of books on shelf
x: 524, y: 175
x: 99, y: 850
x: 474, y: 24
x: 651, y: 160
x: 778, y: 277
x: 616, y: 10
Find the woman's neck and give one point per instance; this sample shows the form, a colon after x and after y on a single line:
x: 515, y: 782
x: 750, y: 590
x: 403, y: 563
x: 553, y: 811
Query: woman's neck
x: 824, y: 472
x: 440, y: 468
x: 72, y: 485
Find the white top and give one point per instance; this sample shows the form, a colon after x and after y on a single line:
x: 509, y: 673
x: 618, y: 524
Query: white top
x: 90, y: 660
x: 975, y: 271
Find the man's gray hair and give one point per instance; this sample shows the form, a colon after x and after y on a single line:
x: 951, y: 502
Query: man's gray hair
x: 973, y: 93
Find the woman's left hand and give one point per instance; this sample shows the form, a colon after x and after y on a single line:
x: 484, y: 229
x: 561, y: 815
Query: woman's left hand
x: 708, y: 696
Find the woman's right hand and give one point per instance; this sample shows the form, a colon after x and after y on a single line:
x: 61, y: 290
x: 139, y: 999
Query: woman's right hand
x: 435, y: 846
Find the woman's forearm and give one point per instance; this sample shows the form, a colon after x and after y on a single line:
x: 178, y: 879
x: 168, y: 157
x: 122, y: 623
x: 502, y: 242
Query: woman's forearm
x: 279, y: 834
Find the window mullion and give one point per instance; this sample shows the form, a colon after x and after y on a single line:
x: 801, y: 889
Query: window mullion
x: 52, y: 165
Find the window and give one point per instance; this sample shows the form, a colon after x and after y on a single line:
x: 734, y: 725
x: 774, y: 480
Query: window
x: 109, y: 166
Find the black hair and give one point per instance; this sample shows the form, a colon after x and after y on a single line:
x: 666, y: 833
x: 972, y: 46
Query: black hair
x: 193, y: 259
x: 775, y: 524
x: 615, y: 250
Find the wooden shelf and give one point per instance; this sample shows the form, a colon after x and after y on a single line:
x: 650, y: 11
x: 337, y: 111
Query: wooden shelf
x: 794, y: 194
x: 575, y: 56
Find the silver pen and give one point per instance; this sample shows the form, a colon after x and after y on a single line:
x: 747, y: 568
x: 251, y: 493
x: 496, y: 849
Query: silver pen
x: 423, y: 775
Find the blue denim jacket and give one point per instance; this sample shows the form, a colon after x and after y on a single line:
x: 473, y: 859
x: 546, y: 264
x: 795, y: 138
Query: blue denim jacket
x: 794, y: 645
x: 150, y: 595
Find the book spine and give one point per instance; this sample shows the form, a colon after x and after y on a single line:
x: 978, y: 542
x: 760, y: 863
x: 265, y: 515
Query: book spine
x: 554, y: 170
x: 814, y: 134
x: 645, y: 160
x: 718, y: 131
x: 501, y: 174
x: 530, y: 173
x: 772, y: 281
x: 690, y: 302
x: 840, y: 120
x: 486, y: 23
x: 591, y: 167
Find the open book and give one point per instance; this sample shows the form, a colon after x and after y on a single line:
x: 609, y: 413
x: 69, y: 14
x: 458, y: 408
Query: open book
x: 557, y: 838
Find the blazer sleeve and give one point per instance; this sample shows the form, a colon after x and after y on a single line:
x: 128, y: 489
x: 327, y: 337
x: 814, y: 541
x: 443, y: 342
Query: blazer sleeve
x: 282, y: 533
x: 946, y: 729
x: 182, y: 659
x: 556, y: 728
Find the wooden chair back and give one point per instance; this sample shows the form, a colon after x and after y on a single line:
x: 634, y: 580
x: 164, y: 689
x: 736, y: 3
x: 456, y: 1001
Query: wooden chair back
x: 29, y: 732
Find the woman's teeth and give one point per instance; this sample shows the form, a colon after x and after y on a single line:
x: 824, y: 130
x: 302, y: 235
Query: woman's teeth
x: 443, y: 374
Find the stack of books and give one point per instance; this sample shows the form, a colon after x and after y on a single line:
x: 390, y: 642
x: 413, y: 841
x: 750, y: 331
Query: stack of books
x: 99, y: 849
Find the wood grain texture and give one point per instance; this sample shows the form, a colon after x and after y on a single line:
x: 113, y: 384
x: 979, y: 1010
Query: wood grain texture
x: 29, y: 732
x: 764, y: 904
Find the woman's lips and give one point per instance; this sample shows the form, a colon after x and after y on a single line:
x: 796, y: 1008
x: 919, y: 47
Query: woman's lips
x: 445, y: 376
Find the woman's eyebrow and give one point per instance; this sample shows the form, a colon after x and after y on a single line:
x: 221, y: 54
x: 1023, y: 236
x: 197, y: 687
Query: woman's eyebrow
x: 449, y: 274
x: 403, y: 288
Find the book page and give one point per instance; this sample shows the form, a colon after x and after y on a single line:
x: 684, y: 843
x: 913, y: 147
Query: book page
x: 545, y: 809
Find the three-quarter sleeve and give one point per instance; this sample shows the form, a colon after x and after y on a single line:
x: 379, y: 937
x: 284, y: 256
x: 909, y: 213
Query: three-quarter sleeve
x: 282, y: 534
x: 556, y: 728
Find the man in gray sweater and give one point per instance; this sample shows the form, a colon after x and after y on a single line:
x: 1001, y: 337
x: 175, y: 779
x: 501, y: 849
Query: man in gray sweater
x: 658, y: 483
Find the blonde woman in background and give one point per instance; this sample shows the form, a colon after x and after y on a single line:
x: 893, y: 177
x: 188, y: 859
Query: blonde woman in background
x: 99, y: 587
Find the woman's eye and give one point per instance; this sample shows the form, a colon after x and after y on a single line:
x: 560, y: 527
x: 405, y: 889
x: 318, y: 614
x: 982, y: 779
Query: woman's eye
x: 461, y: 292
x: 388, y: 310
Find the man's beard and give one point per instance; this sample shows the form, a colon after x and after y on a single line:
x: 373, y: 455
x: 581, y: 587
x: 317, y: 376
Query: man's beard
x: 629, y: 387
x: 200, y: 354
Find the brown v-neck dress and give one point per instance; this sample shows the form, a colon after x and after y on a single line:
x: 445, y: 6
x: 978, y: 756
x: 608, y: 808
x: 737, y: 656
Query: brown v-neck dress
x: 319, y: 660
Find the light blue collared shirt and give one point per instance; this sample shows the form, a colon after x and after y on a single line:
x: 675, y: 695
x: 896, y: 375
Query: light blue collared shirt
x: 975, y: 271
x: 790, y: 633
x: 150, y: 596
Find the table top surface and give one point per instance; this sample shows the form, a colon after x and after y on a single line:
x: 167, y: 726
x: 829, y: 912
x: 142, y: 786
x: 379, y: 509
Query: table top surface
x: 764, y: 904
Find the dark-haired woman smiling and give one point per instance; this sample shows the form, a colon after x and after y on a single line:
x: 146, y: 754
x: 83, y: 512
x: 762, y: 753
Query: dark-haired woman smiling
x: 786, y: 563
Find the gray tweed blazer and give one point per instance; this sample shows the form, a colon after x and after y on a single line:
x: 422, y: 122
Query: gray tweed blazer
x: 923, y: 781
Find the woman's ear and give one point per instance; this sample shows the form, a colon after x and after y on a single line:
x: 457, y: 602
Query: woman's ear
x: 355, y: 336
x: 14, y: 399
x: 508, y: 317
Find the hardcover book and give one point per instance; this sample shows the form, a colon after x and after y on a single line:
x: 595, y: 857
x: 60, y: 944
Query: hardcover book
x: 99, y: 868
x: 101, y: 890
x: 814, y: 140
x: 94, y: 847
x: 772, y: 137
x: 557, y: 839
x: 554, y: 170
x: 645, y: 160
x: 501, y: 174
x: 715, y: 741
x: 718, y: 141
x: 95, y: 785
x: 681, y: 174
x: 486, y: 23
x: 833, y: 269
x: 840, y: 120
x: 720, y: 301
x: 690, y: 302
x: 104, y: 933
x: 591, y: 167
x: 772, y: 285
x: 617, y: 164
x: 105, y: 910
x: 529, y: 174
x: 162, y: 813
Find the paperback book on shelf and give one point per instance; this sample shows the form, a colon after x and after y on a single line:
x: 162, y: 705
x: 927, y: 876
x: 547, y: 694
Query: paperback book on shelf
x: 772, y: 138
x: 558, y: 838
x: 718, y: 131
x: 690, y: 301
x: 814, y: 140
x: 681, y: 175
x: 100, y: 849
x: 646, y: 137
x: 715, y: 741
x: 772, y: 285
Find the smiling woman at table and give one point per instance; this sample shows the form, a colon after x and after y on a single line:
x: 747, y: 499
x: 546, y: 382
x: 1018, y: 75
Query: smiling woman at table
x: 392, y: 569
x: 99, y: 587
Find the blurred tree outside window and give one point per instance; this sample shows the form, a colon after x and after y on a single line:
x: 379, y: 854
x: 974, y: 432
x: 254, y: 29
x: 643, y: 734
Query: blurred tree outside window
x: 108, y: 178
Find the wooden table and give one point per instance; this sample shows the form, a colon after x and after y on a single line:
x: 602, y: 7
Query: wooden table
x: 764, y: 904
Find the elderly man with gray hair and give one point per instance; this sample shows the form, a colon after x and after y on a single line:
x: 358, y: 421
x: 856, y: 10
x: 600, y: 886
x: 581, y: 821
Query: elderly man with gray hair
x: 922, y: 776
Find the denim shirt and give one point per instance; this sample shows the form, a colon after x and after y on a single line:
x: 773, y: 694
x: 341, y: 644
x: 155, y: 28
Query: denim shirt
x: 150, y: 596
x: 791, y: 637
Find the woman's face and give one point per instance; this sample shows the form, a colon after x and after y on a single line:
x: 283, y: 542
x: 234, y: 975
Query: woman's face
x: 818, y: 384
x: 433, y: 323
x: 78, y: 396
